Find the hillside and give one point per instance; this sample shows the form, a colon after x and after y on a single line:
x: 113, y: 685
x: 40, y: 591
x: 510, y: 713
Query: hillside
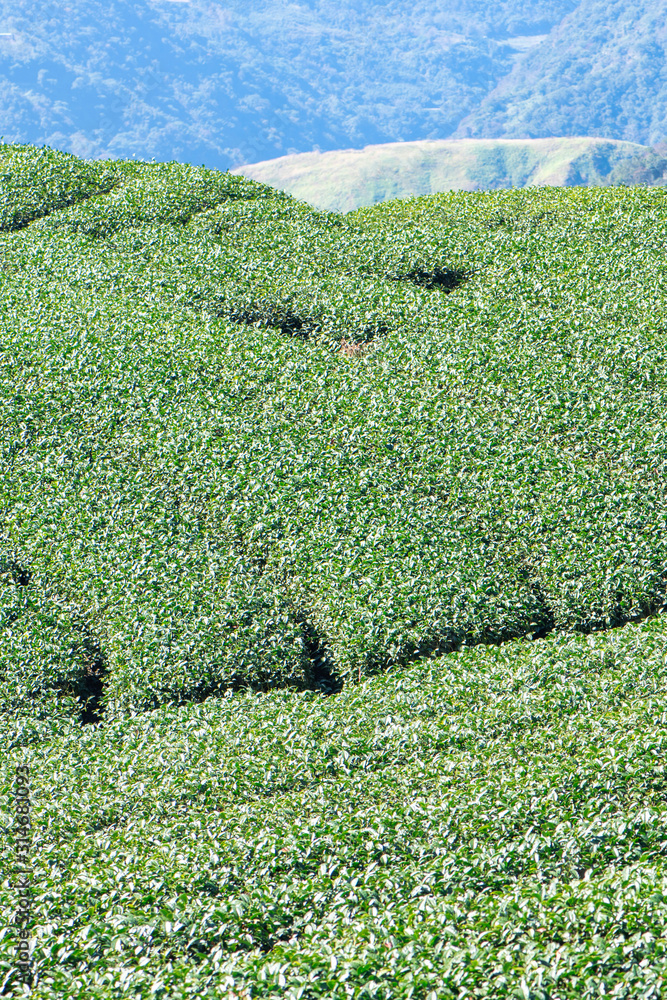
x: 601, y: 71
x: 346, y: 179
x: 333, y: 580
x: 226, y: 85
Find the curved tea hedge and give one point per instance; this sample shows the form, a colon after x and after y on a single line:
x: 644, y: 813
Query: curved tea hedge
x: 488, y: 825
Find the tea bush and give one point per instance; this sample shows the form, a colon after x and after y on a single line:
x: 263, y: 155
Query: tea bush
x: 211, y: 486
x: 35, y: 182
x: 249, y: 446
x: 490, y: 823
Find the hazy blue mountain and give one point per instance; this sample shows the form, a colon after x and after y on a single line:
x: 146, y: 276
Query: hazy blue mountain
x: 602, y: 71
x: 236, y: 82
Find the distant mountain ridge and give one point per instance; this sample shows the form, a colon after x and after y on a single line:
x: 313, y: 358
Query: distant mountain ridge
x: 349, y: 178
x: 236, y: 83
x: 601, y: 71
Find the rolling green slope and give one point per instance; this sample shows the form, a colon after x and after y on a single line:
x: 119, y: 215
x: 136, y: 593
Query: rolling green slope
x: 351, y: 178
x: 247, y: 442
x: 333, y: 571
x: 490, y: 825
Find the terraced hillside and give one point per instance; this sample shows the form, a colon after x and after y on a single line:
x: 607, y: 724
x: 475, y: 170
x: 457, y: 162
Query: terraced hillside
x: 334, y: 561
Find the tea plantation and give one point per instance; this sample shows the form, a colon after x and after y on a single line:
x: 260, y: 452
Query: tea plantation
x: 333, y: 579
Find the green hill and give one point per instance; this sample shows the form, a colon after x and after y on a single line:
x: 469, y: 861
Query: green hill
x: 351, y: 178
x: 333, y: 576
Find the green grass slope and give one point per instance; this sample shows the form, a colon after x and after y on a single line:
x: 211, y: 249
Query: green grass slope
x: 349, y: 535
x: 353, y: 178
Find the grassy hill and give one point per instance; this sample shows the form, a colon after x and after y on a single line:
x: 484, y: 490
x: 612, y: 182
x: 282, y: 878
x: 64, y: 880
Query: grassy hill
x: 333, y: 565
x: 346, y: 179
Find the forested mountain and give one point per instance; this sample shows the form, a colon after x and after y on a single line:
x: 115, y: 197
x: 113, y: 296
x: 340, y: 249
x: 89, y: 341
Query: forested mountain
x: 601, y: 71
x: 235, y: 82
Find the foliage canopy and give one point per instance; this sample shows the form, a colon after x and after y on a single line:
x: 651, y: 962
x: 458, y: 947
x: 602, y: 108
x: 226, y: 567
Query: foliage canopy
x: 250, y: 445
